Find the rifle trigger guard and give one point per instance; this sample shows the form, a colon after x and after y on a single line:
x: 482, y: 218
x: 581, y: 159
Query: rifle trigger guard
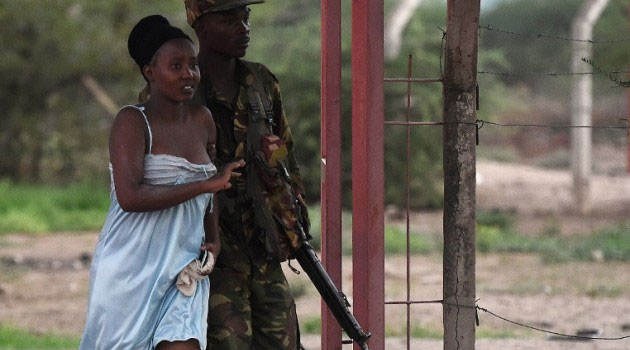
x: 295, y: 271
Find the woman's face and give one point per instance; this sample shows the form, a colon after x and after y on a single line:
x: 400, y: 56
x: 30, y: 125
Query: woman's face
x: 173, y: 72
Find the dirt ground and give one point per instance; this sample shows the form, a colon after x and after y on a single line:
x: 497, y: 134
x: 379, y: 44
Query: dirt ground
x: 44, y: 280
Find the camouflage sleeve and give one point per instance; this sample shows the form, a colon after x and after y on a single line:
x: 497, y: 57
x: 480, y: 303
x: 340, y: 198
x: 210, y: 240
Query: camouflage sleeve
x: 284, y: 131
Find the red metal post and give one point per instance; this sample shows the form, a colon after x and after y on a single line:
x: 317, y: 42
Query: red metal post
x: 331, y: 160
x: 368, y: 169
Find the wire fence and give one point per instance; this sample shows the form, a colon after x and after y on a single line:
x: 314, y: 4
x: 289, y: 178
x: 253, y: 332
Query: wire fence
x: 548, y: 36
x: 618, y: 123
x: 508, y: 320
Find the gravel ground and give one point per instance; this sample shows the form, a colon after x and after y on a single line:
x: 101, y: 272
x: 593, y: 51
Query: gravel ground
x: 44, y: 279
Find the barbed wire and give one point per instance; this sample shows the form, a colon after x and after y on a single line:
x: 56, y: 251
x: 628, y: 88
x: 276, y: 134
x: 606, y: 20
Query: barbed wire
x: 505, y: 319
x: 480, y: 123
x: 442, y: 49
x: 552, y: 74
x: 608, y: 74
x: 548, y: 36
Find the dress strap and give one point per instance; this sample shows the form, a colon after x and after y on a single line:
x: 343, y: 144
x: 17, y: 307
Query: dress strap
x: 146, y: 120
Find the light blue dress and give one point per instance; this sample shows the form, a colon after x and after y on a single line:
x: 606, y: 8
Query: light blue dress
x: 133, y: 302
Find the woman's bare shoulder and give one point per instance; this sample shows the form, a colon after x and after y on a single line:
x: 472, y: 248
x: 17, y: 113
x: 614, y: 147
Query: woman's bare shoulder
x: 202, y: 115
x: 129, y: 119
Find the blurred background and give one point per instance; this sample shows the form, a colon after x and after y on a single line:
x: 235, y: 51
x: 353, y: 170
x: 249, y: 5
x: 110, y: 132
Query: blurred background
x: 65, y: 72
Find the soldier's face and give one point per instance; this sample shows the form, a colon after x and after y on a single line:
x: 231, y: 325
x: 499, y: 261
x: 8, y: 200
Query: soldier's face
x: 225, y: 32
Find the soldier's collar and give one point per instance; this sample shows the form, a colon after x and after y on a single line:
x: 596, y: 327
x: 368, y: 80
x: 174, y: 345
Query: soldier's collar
x: 242, y: 74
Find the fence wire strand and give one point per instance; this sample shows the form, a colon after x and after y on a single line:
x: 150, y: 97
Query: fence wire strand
x: 547, y: 36
x: 552, y: 74
x: 505, y: 319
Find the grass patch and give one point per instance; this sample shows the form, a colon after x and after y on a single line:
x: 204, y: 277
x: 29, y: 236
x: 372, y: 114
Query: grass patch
x: 12, y: 338
x: 395, y: 237
x: 605, y: 292
x: 495, y: 234
x: 311, y: 325
x: 496, y: 334
x: 416, y: 332
x: 42, y: 209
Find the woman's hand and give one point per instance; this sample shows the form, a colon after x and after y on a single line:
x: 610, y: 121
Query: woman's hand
x: 221, y: 181
x: 211, y: 251
x: 210, y: 248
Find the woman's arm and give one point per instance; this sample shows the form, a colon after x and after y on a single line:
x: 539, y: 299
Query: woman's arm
x: 211, y: 219
x: 127, y: 150
x: 211, y: 227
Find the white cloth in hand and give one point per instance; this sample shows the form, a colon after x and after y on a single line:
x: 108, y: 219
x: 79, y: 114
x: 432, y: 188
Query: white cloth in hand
x: 193, y: 272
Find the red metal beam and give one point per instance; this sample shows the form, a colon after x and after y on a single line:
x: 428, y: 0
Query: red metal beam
x: 367, y: 169
x: 331, y: 160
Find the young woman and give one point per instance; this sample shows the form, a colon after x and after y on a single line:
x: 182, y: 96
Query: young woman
x: 148, y: 287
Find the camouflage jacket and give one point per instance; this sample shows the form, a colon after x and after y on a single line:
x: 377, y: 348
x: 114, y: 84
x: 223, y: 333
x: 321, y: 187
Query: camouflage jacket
x: 231, y: 119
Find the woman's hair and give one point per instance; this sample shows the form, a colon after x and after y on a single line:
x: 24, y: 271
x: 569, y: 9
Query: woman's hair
x: 148, y: 35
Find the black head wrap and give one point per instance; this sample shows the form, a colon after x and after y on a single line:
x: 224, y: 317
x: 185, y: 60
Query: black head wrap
x: 149, y: 35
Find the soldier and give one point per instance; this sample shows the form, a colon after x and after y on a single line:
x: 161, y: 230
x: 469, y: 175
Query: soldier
x: 251, y: 306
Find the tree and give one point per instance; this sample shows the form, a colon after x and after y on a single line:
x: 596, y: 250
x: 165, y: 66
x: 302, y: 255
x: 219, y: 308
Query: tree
x: 54, y: 130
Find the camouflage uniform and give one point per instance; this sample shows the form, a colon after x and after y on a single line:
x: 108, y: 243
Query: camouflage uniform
x: 251, y: 306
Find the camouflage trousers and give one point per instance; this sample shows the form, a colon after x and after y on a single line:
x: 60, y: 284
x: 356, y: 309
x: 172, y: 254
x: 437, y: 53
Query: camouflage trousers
x: 251, y: 310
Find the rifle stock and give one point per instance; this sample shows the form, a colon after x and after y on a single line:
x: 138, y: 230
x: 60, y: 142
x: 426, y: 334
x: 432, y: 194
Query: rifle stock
x: 335, y: 300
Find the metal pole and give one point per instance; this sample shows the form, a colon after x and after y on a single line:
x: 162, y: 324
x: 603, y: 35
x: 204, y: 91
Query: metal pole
x: 331, y: 160
x: 460, y: 80
x: 368, y: 169
x: 582, y: 102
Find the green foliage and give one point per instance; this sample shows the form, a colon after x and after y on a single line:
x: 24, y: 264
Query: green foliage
x: 612, y: 244
x: 54, y: 131
x: 532, y: 54
x: 395, y: 238
x: 487, y: 237
x: 311, y: 325
x: 495, y: 233
x: 12, y: 338
x: 42, y: 209
x: 495, y: 218
x: 396, y: 242
x: 416, y: 331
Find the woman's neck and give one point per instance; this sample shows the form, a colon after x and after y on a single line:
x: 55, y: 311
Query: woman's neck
x: 163, y: 108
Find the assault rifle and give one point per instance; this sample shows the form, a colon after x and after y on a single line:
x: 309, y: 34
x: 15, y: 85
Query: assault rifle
x: 336, y: 301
